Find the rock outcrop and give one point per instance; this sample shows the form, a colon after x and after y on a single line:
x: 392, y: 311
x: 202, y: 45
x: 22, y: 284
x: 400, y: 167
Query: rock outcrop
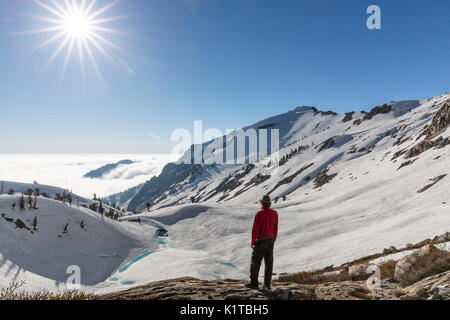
x: 323, y: 178
x: 436, y: 287
x: 424, y: 262
x: 194, y: 289
x: 441, y: 122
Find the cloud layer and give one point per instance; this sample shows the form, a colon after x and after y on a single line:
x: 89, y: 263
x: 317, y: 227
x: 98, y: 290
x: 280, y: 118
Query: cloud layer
x: 66, y: 171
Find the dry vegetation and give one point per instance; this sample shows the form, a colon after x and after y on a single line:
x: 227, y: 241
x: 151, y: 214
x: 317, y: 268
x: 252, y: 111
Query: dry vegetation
x: 388, y: 269
x: 317, y: 277
x: 13, y: 292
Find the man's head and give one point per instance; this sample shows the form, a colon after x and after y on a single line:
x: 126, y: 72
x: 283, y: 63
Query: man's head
x: 266, y: 202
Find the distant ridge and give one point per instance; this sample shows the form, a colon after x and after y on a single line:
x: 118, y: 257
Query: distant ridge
x: 102, y: 171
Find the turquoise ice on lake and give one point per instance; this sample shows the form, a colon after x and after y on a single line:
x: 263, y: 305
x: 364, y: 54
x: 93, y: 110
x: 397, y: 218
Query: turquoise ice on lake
x: 127, y: 266
x: 228, y: 264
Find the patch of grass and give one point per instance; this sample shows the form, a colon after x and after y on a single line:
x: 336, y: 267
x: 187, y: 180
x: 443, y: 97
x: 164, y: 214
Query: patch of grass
x: 388, y: 269
x: 13, y: 292
x: 398, y: 293
x: 315, y: 277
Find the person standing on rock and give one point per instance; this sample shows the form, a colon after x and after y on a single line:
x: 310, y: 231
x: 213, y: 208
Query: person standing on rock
x: 264, y: 235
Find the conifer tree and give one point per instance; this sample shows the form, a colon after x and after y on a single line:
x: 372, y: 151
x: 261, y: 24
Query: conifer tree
x: 35, y: 224
x: 21, y: 203
x: 30, y: 202
x: 35, y: 203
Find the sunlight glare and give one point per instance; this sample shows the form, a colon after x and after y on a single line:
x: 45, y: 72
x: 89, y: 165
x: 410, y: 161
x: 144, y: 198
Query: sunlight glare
x: 77, y: 26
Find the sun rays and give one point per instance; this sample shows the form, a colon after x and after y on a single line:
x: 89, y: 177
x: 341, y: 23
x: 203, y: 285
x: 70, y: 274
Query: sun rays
x: 77, y: 27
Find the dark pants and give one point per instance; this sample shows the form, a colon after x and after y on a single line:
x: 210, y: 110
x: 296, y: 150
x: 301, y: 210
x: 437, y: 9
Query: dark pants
x: 262, y: 249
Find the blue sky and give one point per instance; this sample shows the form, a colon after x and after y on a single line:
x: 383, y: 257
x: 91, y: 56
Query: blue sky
x: 228, y: 63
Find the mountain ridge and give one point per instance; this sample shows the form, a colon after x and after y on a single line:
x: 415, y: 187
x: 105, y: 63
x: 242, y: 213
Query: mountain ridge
x: 315, y: 124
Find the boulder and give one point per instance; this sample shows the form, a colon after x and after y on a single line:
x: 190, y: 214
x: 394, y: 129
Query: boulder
x: 424, y: 262
x: 436, y: 287
x: 390, y: 250
x: 358, y: 271
x: 442, y: 238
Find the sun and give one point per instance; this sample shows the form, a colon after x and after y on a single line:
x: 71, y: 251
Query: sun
x: 79, y: 28
x: 77, y: 24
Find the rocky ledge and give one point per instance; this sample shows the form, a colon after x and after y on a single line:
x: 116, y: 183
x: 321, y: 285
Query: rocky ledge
x: 436, y: 287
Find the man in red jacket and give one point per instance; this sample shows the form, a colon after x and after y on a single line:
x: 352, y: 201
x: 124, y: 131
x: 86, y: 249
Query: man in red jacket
x: 264, y: 235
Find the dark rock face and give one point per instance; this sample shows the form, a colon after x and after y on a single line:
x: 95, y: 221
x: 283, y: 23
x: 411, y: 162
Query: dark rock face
x: 255, y: 181
x: 439, y: 124
x: 289, y: 179
x: 328, y: 113
x: 435, y: 180
x: 21, y: 225
x: 323, y: 178
x: 348, y: 117
x: 386, y: 108
x: 327, y: 144
x: 426, y: 145
x: 377, y: 110
x: 231, y: 183
x: 407, y: 163
x: 441, y: 121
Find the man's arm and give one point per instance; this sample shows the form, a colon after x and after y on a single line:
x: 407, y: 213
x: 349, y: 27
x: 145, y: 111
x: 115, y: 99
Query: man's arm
x: 255, y: 230
x: 276, y: 225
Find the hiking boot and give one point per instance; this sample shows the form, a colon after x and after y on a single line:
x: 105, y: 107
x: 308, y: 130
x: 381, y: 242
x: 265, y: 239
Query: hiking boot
x: 252, y: 286
x: 268, y: 288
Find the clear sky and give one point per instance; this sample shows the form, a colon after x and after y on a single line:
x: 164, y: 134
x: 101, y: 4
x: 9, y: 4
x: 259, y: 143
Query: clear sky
x: 228, y: 63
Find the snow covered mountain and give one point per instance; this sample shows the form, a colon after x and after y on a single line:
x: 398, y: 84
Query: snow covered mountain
x: 314, y: 146
x: 345, y: 186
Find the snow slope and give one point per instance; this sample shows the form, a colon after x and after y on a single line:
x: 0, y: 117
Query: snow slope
x: 372, y: 200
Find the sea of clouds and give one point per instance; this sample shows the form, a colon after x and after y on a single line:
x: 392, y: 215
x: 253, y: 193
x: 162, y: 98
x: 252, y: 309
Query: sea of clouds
x: 67, y: 170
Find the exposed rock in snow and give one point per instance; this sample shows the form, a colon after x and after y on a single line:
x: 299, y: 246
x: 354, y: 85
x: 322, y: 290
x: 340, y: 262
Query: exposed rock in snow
x: 441, y: 122
x: 435, y: 180
x: 323, y: 178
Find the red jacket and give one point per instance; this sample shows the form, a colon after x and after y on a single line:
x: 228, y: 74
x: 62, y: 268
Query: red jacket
x: 265, y: 225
